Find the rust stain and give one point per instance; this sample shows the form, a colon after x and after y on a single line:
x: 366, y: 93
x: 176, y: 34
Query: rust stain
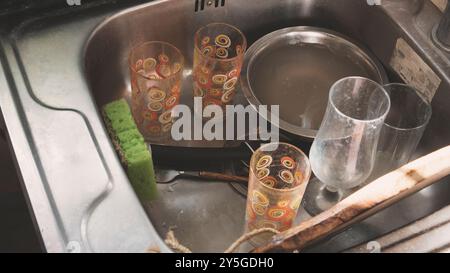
x: 414, y: 175
x: 302, y: 237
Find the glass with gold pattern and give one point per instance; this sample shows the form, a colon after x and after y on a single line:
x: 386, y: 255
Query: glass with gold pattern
x: 156, y: 70
x: 218, y: 57
x: 279, y: 174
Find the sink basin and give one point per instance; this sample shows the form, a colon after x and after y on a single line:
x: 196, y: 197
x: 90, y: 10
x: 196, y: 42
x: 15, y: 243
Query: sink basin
x: 198, y: 211
x: 72, y: 176
x: 210, y: 216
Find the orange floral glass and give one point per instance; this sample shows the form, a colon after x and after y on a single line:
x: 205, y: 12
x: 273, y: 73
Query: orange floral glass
x: 156, y: 70
x: 218, y: 57
x: 278, y: 178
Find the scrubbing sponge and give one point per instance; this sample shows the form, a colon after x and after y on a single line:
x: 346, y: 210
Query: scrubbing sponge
x: 138, y: 172
x: 132, y: 148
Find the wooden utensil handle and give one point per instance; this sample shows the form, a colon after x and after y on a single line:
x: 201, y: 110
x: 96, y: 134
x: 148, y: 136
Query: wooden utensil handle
x: 380, y: 193
x: 223, y: 177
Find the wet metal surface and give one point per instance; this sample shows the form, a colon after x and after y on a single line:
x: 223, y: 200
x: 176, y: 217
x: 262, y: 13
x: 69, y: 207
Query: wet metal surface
x: 42, y: 113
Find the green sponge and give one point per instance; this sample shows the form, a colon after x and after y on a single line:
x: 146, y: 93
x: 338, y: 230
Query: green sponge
x: 138, y: 172
x: 129, y: 135
x: 121, y: 124
x: 132, y: 148
x: 119, y: 106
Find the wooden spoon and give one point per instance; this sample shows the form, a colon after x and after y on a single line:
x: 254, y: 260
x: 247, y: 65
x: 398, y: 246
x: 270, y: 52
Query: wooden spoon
x: 379, y: 194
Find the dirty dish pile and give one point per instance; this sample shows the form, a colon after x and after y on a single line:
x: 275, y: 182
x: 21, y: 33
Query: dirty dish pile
x: 329, y: 90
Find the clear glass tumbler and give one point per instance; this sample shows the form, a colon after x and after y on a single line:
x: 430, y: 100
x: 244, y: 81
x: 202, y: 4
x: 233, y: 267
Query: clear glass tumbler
x: 343, y: 153
x: 278, y: 177
x: 218, y: 56
x: 402, y: 130
x: 156, y: 72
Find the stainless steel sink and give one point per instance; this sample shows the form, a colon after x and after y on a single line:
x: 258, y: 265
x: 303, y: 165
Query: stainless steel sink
x: 58, y: 68
x: 208, y: 217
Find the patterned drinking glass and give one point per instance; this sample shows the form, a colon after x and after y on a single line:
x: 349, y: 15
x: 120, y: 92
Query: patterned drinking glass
x: 156, y: 70
x: 218, y: 57
x: 278, y: 178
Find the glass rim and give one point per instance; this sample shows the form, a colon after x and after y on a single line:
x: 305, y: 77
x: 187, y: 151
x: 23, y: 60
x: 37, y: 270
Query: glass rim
x: 131, y: 66
x: 244, y: 43
x: 420, y: 96
x: 379, y: 86
x: 305, y: 179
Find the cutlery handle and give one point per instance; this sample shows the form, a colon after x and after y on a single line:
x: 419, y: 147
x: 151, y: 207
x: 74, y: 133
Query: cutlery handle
x: 223, y: 177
